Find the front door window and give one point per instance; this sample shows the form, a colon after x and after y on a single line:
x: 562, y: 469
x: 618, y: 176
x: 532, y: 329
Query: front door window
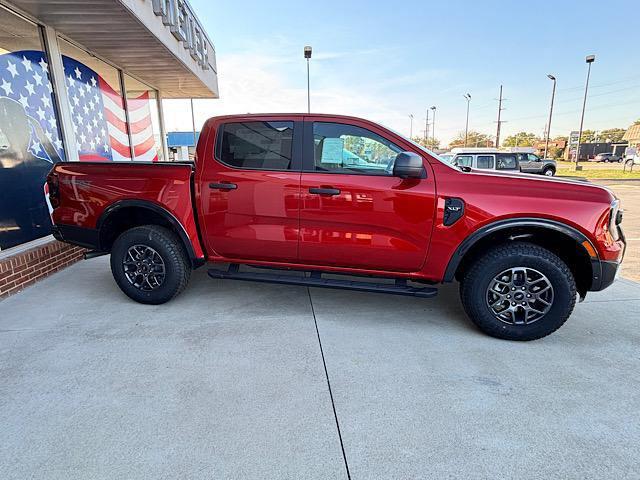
x: 347, y: 149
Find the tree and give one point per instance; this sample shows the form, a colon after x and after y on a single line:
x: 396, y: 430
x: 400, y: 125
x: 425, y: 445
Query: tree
x: 637, y: 122
x: 430, y: 143
x: 474, y: 139
x: 522, y: 139
x: 588, y: 136
x: 561, y: 138
x: 555, y: 152
x: 611, y: 135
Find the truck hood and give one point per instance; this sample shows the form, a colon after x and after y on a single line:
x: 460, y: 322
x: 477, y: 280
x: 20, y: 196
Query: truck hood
x: 551, y: 186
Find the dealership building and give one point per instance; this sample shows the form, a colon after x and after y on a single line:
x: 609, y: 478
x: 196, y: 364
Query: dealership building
x: 83, y: 81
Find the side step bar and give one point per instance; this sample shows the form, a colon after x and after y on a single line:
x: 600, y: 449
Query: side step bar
x: 314, y: 279
x: 88, y: 255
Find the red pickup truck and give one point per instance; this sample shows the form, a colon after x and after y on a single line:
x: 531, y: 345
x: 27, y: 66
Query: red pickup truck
x: 328, y: 194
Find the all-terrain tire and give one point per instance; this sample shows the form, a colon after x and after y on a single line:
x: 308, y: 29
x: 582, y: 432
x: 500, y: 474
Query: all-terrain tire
x: 476, y: 282
x: 549, y: 172
x: 167, y: 245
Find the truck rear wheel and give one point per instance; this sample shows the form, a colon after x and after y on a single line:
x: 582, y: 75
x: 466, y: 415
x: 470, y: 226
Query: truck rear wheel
x: 149, y: 264
x: 518, y: 291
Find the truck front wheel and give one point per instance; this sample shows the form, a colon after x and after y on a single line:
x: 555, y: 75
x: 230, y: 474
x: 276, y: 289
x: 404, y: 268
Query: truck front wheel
x: 149, y: 264
x: 518, y: 291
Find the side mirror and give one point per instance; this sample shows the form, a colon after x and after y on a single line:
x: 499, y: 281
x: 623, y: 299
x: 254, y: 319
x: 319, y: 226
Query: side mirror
x: 408, y: 165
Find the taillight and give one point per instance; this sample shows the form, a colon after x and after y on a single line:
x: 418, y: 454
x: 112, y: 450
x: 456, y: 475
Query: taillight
x: 54, y: 189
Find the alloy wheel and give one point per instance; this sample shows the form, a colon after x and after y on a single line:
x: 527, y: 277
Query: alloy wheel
x: 520, y: 296
x: 144, y: 267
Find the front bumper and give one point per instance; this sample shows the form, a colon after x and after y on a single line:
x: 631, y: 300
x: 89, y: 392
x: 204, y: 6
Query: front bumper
x: 605, y: 271
x: 604, y: 274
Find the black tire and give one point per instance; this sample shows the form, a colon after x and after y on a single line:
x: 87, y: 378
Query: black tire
x: 474, y: 290
x: 549, y: 172
x: 168, y: 247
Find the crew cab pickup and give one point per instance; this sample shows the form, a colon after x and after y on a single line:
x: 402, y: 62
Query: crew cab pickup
x: 331, y: 195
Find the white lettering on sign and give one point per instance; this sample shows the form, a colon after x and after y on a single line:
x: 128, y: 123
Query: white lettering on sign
x: 183, y: 24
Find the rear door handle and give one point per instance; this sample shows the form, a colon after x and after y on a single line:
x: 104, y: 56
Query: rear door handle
x: 223, y: 186
x: 324, y: 191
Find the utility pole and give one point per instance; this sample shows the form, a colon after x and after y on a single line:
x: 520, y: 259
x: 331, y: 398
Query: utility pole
x: 411, y: 126
x: 433, y: 129
x: 499, y: 121
x: 466, y: 125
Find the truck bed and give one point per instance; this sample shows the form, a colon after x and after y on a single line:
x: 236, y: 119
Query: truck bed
x: 90, y: 191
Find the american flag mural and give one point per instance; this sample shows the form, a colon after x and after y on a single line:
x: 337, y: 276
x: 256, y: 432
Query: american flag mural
x: 99, y: 118
x: 24, y: 80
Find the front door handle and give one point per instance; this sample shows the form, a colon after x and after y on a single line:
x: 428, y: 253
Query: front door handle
x: 223, y: 186
x: 324, y: 191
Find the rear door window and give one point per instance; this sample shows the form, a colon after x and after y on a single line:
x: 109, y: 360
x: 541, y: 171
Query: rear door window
x: 485, y: 161
x: 256, y: 145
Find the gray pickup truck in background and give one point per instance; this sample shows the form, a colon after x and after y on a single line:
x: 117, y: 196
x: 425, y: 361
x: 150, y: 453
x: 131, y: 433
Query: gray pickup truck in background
x: 531, y: 163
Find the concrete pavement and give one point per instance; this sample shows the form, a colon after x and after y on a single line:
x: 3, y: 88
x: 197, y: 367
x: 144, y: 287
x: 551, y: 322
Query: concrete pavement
x: 228, y: 381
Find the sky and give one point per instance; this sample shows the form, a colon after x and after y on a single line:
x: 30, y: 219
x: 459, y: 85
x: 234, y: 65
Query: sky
x: 386, y: 60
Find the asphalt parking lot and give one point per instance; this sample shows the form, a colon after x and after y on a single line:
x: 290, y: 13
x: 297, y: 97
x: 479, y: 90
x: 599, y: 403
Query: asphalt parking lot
x: 228, y: 381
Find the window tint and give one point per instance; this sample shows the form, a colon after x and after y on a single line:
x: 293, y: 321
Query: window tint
x: 463, y: 161
x: 507, y: 161
x: 256, y: 145
x: 341, y: 148
x: 532, y: 157
x: 485, y: 161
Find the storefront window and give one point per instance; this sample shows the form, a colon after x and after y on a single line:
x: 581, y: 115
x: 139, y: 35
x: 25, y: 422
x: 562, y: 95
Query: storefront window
x: 30, y: 138
x: 97, y: 107
x: 144, y: 118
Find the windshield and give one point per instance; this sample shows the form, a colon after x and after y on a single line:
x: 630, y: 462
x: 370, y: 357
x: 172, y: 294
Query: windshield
x: 424, y: 149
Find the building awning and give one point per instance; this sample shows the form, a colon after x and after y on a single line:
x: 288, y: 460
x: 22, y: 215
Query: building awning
x: 155, y: 45
x: 632, y: 134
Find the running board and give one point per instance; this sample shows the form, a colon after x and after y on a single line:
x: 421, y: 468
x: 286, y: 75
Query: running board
x: 314, y: 279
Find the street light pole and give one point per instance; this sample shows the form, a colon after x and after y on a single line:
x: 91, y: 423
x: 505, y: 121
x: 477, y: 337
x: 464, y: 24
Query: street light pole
x: 553, y: 94
x: 466, y: 126
x: 590, y: 59
x: 307, y: 55
x: 433, y: 128
x: 411, y: 126
x: 426, y: 129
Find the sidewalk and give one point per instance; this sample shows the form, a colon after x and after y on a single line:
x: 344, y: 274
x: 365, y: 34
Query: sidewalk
x: 228, y: 381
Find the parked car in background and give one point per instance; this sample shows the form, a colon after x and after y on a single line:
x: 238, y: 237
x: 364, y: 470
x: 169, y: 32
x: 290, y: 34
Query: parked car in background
x: 607, y: 157
x: 532, y: 163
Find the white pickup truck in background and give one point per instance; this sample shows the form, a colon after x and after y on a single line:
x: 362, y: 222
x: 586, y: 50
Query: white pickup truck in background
x: 631, y: 157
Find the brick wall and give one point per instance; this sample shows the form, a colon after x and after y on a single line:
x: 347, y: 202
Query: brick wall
x: 25, y: 268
